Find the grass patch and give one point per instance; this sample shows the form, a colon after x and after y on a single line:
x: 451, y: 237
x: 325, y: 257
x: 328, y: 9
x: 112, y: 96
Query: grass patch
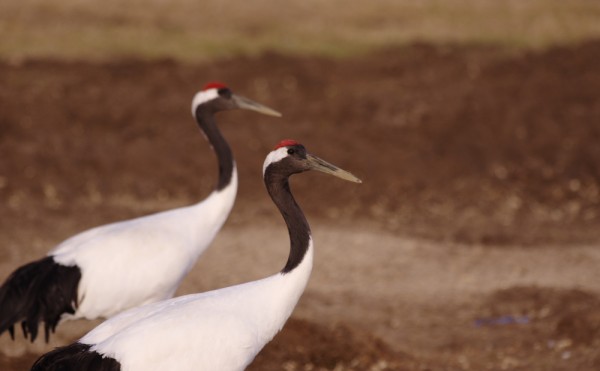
x: 190, y: 30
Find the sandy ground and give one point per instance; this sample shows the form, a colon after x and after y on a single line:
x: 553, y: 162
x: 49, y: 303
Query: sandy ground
x: 472, y: 243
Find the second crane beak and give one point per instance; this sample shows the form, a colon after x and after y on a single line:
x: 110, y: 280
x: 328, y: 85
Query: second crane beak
x: 248, y: 104
x: 316, y: 163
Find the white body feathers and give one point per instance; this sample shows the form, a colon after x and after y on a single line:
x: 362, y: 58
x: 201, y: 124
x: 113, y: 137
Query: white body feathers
x: 143, y: 260
x: 219, y: 330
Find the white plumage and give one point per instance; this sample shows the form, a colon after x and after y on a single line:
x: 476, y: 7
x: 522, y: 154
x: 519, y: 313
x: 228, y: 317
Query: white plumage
x: 142, y: 260
x: 220, y: 330
x: 105, y: 270
x: 217, y: 330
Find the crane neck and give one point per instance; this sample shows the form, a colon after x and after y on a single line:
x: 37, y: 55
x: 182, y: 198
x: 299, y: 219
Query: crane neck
x: 206, y: 120
x: 278, y: 187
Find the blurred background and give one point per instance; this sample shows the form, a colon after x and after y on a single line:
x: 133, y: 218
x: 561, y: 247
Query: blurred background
x: 474, y: 124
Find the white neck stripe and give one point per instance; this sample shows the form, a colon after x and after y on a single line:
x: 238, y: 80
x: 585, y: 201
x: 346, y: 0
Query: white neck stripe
x: 275, y: 156
x: 202, y: 97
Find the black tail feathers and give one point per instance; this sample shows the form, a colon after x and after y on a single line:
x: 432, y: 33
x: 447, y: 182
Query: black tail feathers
x: 75, y: 357
x: 40, y: 291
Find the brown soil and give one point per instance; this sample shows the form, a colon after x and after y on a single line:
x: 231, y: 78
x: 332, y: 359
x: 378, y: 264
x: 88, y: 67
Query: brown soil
x: 470, y: 245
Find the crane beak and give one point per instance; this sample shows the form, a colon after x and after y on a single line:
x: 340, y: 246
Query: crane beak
x: 245, y: 103
x: 316, y: 163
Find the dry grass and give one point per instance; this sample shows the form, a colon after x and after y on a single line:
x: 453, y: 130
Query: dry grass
x: 195, y: 30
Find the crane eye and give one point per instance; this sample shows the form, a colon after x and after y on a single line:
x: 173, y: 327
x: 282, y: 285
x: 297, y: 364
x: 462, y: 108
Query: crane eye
x: 225, y: 93
x: 291, y: 151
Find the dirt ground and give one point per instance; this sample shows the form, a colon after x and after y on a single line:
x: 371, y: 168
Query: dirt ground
x: 471, y: 244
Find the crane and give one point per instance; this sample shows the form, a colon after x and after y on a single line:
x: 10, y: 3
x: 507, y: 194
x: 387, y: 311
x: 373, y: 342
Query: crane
x: 220, y: 330
x: 105, y: 270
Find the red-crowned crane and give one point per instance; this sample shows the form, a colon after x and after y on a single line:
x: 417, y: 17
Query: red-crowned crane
x: 219, y: 330
x: 114, y: 267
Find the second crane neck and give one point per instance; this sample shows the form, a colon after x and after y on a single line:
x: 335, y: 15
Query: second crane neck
x: 207, y: 123
x: 299, y: 231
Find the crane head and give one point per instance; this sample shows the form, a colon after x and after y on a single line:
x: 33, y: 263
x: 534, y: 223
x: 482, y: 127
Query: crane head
x: 290, y: 157
x: 216, y: 96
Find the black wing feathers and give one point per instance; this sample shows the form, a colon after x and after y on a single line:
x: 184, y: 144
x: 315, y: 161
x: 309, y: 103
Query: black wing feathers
x: 40, y: 291
x: 75, y: 357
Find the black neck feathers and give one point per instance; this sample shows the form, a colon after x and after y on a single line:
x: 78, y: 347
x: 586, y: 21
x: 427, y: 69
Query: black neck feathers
x: 206, y: 121
x: 277, y: 182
